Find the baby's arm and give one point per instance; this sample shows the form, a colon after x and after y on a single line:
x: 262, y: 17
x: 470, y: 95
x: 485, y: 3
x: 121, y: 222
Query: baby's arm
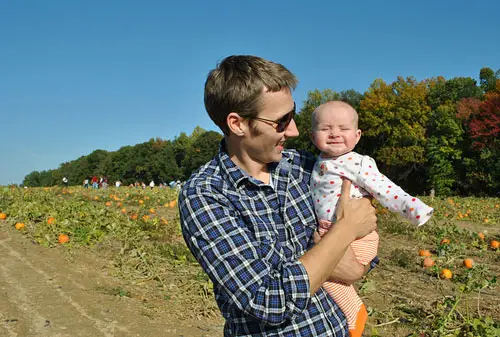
x: 391, y: 195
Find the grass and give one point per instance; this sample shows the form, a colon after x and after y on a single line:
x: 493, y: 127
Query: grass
x: 139, y: 231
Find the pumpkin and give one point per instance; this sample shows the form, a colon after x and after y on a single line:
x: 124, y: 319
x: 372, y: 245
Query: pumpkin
x: 424, y: 252
x: 63, y: 238
x: 446, y: 274
x: 428, y: 262
x: 468, y: 263
x: 19, y: 225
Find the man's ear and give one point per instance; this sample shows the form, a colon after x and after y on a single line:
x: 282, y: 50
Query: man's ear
x: 236, y: 124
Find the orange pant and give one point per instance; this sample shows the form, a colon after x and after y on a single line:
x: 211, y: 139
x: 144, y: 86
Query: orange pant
x: 345, y: 295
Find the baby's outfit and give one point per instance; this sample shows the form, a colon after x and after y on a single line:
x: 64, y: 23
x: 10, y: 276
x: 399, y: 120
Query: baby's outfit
x: 326, y: 183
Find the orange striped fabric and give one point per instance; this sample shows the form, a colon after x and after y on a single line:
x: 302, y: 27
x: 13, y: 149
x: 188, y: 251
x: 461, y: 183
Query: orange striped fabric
x: 345, y: 295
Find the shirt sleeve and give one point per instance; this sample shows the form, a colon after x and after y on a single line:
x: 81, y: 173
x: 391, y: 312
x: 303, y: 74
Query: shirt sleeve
x: 391, y: 195
x: 239, y: 263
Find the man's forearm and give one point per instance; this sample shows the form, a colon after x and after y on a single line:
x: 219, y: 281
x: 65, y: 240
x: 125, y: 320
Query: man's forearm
x: 324, y: 257
x: 348, y: 270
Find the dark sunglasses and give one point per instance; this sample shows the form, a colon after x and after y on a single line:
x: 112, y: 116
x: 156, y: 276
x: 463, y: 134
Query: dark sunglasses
x: 282, y: 123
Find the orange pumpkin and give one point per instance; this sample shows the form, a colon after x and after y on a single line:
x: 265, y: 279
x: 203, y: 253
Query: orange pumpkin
x: 424, y: 252
x: 3, y: 216
x: 494, y: 244
x: 51, y: 220
x: 428, y: 262
x: 63, y: 238
x: 468, y: 263
x: 446, y: 274
x: 481, y: 235
x: 19, y: 225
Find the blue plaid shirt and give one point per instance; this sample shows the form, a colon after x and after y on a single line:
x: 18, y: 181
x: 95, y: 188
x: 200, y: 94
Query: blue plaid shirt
x: 248, y: 237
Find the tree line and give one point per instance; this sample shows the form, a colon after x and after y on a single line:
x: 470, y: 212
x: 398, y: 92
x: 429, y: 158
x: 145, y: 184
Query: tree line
x: 434, y: 134
x: 157, y: 159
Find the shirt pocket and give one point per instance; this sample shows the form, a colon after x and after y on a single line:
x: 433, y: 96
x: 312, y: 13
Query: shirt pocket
x: 269, y: 246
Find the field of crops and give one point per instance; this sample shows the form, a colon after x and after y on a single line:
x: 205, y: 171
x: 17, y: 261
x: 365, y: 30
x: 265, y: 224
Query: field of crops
x: 437, y: 280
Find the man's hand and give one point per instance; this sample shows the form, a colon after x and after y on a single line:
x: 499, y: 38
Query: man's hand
x: 358, y: 214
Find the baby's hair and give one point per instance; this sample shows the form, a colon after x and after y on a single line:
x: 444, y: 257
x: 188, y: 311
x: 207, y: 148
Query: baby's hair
x: 335, y: 104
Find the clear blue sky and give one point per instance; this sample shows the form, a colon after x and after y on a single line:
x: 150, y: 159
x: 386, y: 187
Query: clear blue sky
x: 76, y: 76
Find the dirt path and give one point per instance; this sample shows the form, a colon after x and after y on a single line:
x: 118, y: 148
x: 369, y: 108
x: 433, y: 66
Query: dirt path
x: 46, y: 292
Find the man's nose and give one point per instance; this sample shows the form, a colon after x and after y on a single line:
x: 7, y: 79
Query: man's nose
x: 291, y: 130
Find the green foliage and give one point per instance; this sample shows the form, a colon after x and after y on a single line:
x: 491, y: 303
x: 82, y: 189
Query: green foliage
x: 442, y: 92
x: 158, y: 160
x: 203, y: 149
x: 487, y: 79
x: 393, y: 119
x: 445, y: 134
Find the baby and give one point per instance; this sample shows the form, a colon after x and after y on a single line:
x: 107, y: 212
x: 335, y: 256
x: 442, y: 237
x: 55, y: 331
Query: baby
x: 335, y: 133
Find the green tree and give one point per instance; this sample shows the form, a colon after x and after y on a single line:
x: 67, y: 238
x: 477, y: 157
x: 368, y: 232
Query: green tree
x: 393, y: 119
x: 32, y: 179
x: 443, y: 150
x: 487, y: 79
x: 203, y: 149
x: 443, y: 91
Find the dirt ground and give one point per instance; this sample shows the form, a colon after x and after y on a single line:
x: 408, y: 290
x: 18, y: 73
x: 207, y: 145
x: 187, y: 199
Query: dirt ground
x: 48, y: 292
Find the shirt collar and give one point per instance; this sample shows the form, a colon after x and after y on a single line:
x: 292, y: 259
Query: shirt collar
x: 236, y: 176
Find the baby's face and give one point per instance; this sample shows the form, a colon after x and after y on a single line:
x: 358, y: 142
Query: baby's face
x: 334, y: 131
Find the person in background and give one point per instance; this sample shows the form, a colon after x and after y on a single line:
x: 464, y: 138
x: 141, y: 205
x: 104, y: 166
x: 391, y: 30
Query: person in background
x: 248, y: 216
x: 95, y: 182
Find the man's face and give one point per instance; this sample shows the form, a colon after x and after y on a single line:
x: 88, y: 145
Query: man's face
x: 334, y: 132
x: 264, y: 143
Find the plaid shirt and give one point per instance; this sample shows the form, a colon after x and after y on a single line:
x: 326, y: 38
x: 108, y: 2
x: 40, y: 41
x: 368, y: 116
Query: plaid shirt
x: 248, y: 237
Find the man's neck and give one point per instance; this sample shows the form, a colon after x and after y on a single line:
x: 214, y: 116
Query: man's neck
x: 241, y: 159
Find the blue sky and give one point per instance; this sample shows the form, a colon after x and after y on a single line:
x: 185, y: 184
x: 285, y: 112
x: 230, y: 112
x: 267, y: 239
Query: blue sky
x: 76, y: 76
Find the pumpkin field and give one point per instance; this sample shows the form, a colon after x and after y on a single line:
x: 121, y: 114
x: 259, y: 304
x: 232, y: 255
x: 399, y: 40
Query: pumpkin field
x: 122, y: 250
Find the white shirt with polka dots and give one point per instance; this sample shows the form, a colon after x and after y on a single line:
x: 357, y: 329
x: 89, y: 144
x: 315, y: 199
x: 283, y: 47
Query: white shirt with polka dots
x: 326, y: 182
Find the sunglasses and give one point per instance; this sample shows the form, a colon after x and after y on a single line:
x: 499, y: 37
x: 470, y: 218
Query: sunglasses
x: 282, y: 123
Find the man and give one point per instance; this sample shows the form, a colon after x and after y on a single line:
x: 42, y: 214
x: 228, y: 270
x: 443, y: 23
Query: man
x: 248, y: 217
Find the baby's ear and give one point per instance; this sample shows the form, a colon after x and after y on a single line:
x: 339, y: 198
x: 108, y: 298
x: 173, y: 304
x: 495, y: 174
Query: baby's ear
x: 358, y: 135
